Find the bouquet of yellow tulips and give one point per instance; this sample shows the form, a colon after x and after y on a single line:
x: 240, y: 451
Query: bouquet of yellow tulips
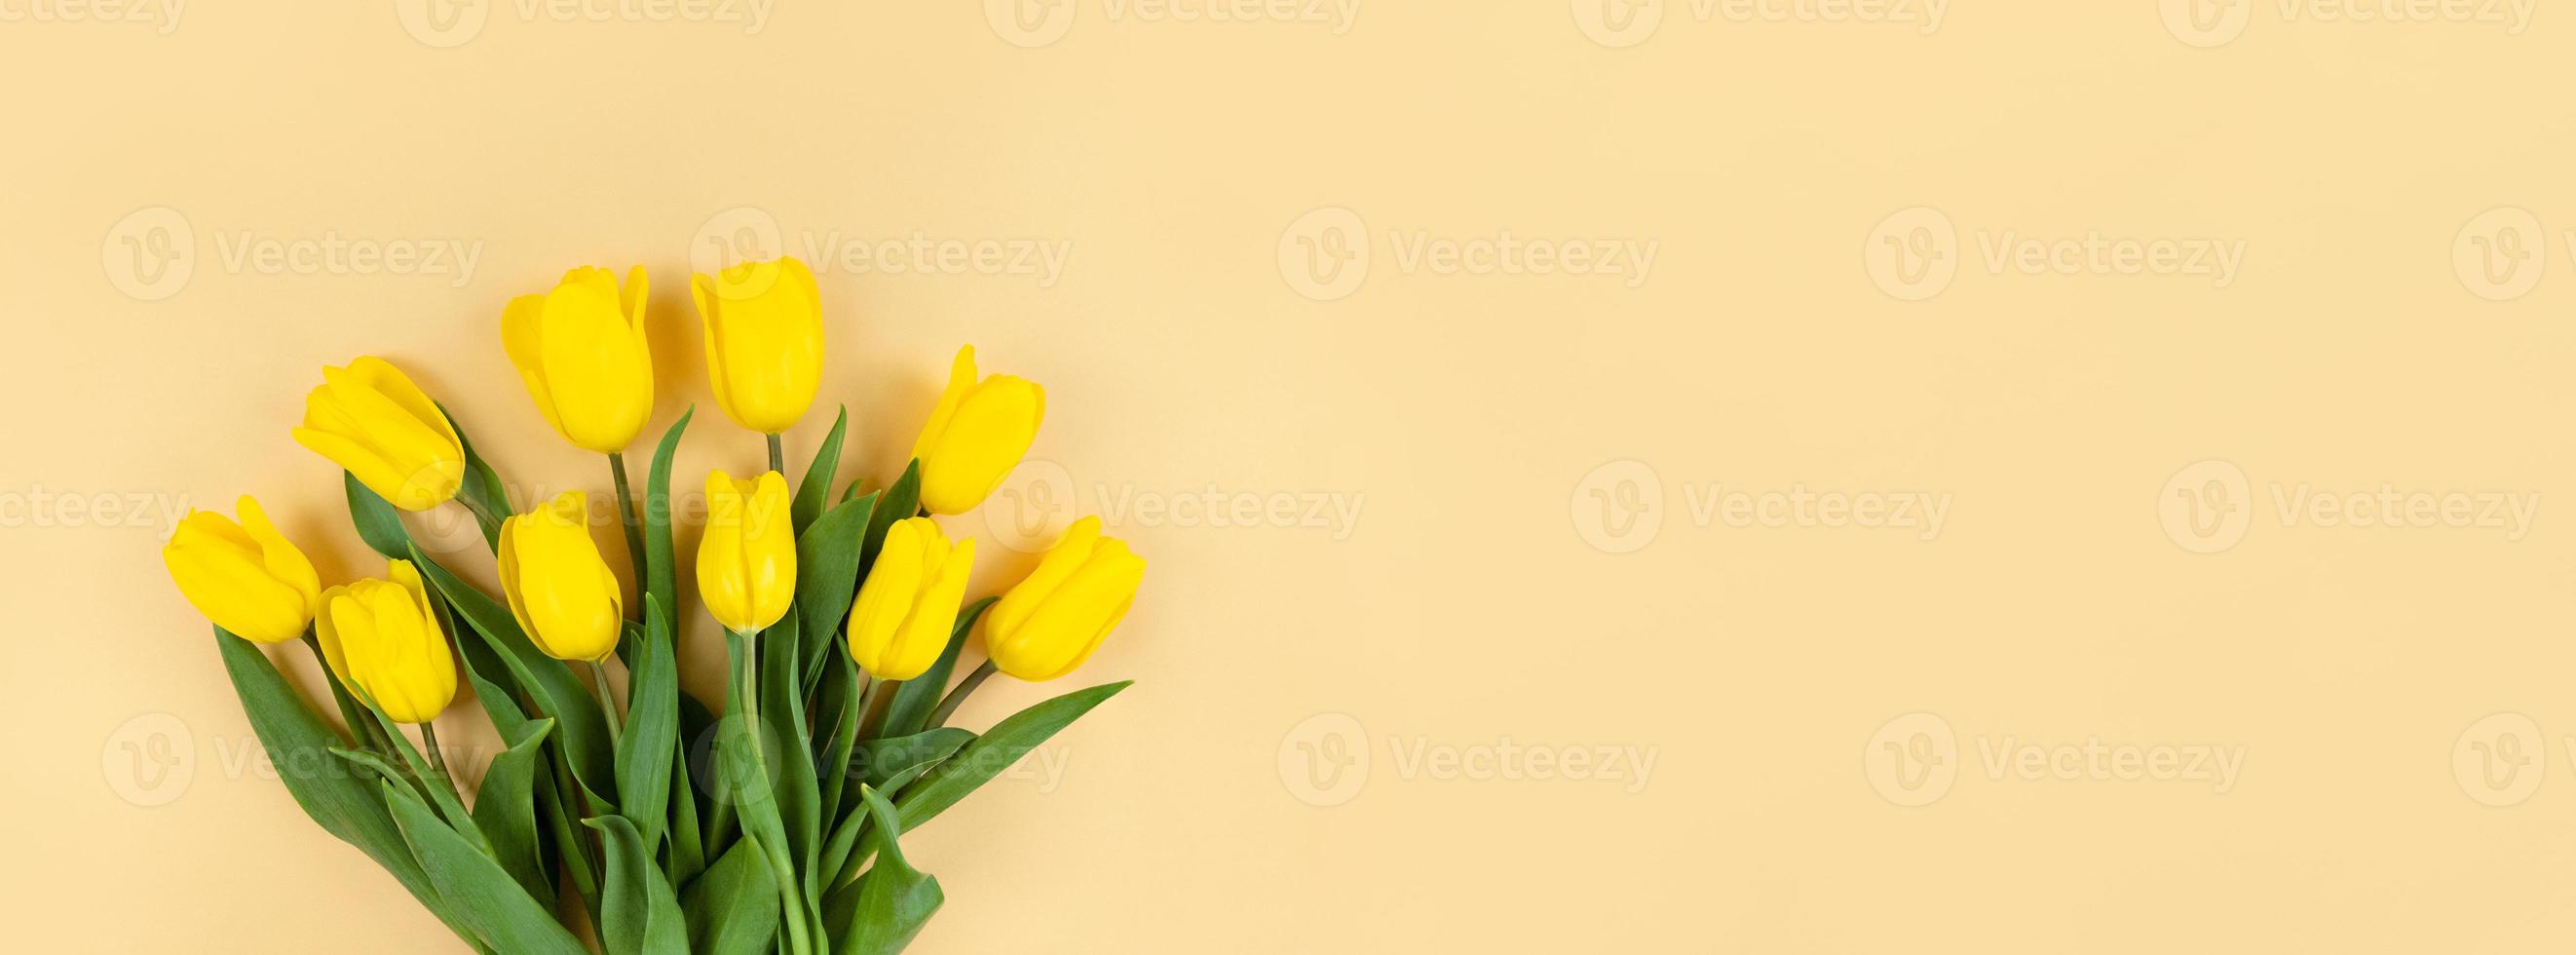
x: 774, y: 824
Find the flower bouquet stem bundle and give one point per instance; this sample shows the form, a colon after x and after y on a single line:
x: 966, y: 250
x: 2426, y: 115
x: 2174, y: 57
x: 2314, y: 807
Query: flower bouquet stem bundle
x: 650, y: 821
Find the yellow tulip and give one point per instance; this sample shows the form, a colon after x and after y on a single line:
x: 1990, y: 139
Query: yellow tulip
x: 559, y: 588
x: 747, y: 560
x: 371, y: 420
x: 581, y: 351
x: 1050, y: 623
x: 975, y: 436
x: 764, y: 325
x: 900, y: 622
x: 245, y: 577
x: 381, y: 638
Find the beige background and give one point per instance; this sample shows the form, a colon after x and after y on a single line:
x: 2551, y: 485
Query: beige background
x: 1511, y: 527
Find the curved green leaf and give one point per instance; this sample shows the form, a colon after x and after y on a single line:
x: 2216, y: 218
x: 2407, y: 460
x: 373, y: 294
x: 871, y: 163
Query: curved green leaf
x: 818, y: 477
x: 379, y: 523
x: 505, y: 807
x: 827, y: 576
x: 653, y: 725
x: 733, y: 908
x: 900, y: 501
x: 894, y: 900
x: 661, y: 575
x: 343, y: 804
x: 995, y: 751
x: 485, y: 897
x: 639, y: 914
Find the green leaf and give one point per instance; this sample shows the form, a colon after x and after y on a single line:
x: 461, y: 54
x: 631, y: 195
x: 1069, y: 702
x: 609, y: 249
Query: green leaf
x: 550, y: 685
x: 915, y: 698
x: 887, y: 765
x: 505, y: 807
x: 661, y: 577
x: 884, y: 760
x: 827, y: 575
x: 482, y: 485
x: 485, y: 896
x: 748, y: 750
x: 298, y: 742
x: 818, y: 477
x: 896, y: 503
x: 995, y: 751
x: 639, y: 914
x: 836, y: 711
x: 492, y: 679
x: 895, y: 900
x: 733, y: 908
x: 652, y: 727
x: 782, y: 707
x: 379, y: 523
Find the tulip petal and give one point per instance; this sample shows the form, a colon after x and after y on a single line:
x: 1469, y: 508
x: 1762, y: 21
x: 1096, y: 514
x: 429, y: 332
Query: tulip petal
x: 279, y: 555
x: 1067, y: 556
x: 961, y: 379
x: 522, y: 333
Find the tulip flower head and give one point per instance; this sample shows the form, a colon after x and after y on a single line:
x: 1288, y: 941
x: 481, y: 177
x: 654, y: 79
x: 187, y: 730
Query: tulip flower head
x: 900, y: 622
x: 371, y: 420
x: 246, y: 577
x: 382, y: 639
x: 976, y: 435
x: 764, y: 323
x: 1051, y: 622
x: 747, y: 560
x: 581, y: 351
x: 560, y: 589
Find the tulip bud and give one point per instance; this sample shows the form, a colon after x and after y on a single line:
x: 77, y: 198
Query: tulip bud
x: 581, y: 351
x: 381, y: 638
x: 900, y: 622
x: 1050, y: 623
x: 975, y: 436
x: 559, y: 588
x: 371, y: 420
x: 764, y: 341
x: 747, y: 560
x: 245, y: 577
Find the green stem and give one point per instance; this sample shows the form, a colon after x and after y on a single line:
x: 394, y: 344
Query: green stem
x: 791, y: 899
x: 880, y: 698
x: 490, y: 522
x: 626, y: 516
x: 437, y: 763
x: 939, y: 715
x: 777, y: 456
x: 608, y: 704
